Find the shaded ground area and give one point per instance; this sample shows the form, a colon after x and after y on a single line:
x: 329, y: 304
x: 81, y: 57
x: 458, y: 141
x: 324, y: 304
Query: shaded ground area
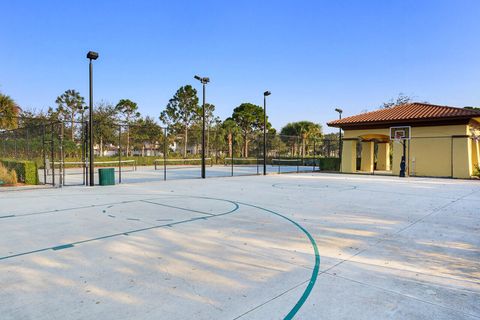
x: 235, y: 248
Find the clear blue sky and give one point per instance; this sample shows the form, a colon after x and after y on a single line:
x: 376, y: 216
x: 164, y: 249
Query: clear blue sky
x: 313, y: 55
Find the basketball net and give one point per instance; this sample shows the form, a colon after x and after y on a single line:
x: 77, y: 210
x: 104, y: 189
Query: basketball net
x: 399, y: 136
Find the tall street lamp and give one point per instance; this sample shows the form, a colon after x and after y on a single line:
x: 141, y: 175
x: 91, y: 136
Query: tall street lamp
x: 204, y: 81
x: 91, y: 56
x: 339, y: 137
x: 265, y: 95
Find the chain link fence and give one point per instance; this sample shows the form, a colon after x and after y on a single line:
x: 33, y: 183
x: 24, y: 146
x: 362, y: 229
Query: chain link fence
x: 142, y: 153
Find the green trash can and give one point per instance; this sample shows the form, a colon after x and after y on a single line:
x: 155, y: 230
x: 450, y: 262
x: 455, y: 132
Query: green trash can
x: 106, y: 176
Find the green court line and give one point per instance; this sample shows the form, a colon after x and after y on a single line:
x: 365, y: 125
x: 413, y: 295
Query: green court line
x: 316, y: 268
x: 124, y: 233
x: 297, y: 305
x: 65, y: 246
x: 185, y: 209
x: 109, y: 204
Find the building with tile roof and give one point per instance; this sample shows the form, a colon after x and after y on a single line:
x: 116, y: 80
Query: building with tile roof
x: 443, y: 140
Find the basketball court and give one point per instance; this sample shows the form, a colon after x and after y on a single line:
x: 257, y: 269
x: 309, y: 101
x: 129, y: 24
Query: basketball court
x: 294, y: 246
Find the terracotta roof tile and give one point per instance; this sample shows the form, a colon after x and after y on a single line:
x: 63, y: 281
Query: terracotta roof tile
x: 407, y: 112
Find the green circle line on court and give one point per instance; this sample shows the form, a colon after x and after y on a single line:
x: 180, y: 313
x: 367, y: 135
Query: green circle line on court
x: 124, y: 233
x: 295, y: 308
x: 316, y: 268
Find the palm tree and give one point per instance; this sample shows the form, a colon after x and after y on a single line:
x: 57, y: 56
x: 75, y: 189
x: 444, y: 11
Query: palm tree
x: 210, y: 120
x: 305, y: 130
x: 9, y: 112
x: 289, y: 131
x: 231, y: 128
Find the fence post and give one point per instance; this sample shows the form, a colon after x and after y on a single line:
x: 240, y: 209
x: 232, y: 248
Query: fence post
x: 120, y: 153
x: 258, y: 150
x: 87, y: 152
x: 279, y: 156
x: 15, y: 143
x: 44, y: 152
x: 52, y: 145
x: 165, y: 148
x: 301, y: 152
x: 231, y: 156
x: 82, y: 139
x: 28, y: 145
x: 62, y: 157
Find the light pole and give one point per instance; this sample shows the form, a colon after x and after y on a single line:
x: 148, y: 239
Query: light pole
x: 339, y: 137
x: 91, y: 56
x: 265, y: 95
x: 84, y: 148
x: 204, y: 81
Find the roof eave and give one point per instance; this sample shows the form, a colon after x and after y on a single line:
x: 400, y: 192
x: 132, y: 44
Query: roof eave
x: 410, y: 122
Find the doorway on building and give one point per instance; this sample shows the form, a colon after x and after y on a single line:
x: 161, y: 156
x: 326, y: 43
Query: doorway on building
x: 375, y: 154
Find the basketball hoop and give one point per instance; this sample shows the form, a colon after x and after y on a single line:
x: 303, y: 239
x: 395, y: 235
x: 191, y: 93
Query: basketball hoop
x: 399, y: 134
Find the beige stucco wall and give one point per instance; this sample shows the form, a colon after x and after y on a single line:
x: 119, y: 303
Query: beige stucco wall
x: 431, y: 157
x: 366, y: 165
x: 383, y: 156
x: 349, y: 156
x: 462, y: 157
x: 357, y: 133
x: 397, y: 151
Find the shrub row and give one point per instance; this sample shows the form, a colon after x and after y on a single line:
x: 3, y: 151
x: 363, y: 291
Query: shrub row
x: 27, y: 171
x: 476, y: 170
x: 329, y: 164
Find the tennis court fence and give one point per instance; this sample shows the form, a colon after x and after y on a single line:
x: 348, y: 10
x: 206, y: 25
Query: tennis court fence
x: 60, y: 151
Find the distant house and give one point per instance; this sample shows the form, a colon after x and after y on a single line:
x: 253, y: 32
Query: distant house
x: 444, y: 141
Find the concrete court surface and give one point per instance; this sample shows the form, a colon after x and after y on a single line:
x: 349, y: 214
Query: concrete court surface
x: 73, y: 176
x: 244, y: 248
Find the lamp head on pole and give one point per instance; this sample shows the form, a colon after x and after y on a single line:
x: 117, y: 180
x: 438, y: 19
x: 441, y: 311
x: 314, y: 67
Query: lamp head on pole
x: 267, y: 93
x: 92, y: 55
x: 339, y: 110
x: 203, y: 80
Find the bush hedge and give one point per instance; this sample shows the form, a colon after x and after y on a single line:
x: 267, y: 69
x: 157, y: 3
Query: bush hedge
x: 27, y: 171
x: 329, y: 164
x: 325, y: 164
x: 476, y: 170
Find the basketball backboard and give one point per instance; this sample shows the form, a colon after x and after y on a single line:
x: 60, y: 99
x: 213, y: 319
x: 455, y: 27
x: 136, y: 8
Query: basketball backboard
x: 400, y: 133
